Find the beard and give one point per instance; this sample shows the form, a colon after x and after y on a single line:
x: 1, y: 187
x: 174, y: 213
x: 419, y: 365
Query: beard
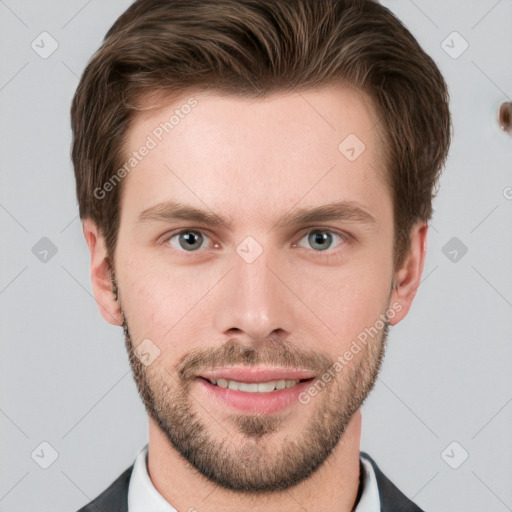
x: 255, y: 465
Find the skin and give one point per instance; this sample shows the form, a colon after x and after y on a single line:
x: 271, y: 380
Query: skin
x: 252, y: 161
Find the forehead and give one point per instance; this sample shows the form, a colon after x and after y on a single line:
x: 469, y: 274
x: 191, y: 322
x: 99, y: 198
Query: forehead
x: 216, y: 149
x: 316, y: 111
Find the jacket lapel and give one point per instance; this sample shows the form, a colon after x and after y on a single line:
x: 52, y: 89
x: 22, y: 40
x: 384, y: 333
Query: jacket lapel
x: 113, y: 499
x: 391, y: 498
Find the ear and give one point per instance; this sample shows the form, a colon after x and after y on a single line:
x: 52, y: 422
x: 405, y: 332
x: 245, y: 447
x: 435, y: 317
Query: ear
x: 102, y: 287
x: 408, y: 277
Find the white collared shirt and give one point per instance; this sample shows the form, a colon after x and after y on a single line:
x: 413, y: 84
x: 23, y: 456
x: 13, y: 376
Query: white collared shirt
x: 143, y: 497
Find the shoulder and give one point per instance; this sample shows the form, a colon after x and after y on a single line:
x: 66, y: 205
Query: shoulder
x: 391, y: 498
x: 114, y: 498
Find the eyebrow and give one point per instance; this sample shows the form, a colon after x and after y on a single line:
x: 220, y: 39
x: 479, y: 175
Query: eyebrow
x: 170, y: 211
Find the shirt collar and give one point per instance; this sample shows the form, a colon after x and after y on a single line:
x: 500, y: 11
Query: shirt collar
x: 143, y: 496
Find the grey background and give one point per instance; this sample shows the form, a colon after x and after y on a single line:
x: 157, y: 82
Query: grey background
x: 64, y: 373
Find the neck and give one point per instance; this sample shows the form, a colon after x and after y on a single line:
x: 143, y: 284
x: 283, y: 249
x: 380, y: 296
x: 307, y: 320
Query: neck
x: 333, y: 487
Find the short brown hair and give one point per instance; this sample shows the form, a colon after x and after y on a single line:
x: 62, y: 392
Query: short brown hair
x: 252, y: 48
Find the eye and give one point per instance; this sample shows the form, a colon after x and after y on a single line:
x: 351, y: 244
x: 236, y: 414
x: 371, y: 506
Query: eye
x: 188, y: 240
x: 322, y: 239
x: 191, y: 240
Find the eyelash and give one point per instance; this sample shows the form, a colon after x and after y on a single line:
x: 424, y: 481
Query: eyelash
x: 327, y: 254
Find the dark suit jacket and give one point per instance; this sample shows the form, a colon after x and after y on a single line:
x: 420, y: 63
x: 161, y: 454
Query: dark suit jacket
x: 115, y: 498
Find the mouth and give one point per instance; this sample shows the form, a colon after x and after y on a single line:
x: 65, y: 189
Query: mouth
x: 261, y: 390
x: 256, y: 374
x: 256, y: 387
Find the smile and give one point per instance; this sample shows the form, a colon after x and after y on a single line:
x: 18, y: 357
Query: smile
x: 256, y: 387
x: 268, y: 397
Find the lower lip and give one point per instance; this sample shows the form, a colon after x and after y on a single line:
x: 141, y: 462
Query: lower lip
x: 259, y: 403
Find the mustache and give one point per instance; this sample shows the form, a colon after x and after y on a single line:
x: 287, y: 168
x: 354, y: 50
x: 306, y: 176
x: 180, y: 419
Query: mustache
x: 271, y: 352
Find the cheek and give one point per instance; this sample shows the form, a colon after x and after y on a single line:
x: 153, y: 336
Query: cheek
x: 160, y: 304
x: 350, y: 300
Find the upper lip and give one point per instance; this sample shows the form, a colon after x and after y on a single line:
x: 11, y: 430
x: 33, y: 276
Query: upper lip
x: 256, y: 374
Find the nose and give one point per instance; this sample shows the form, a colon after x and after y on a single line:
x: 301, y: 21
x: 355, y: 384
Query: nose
x: 254, y: 301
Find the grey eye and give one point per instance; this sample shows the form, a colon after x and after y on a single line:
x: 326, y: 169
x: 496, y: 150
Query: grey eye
x: 188, y: 240
x: 320, y: 239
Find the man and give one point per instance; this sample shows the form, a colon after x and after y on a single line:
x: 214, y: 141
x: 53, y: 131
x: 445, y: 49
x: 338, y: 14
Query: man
x: 255, y: 179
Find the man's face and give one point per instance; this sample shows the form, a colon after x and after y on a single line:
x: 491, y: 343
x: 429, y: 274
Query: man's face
x: 264, y: 291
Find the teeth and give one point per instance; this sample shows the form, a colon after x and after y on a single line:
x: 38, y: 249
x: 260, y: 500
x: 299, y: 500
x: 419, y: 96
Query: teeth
x: 255, y: 387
